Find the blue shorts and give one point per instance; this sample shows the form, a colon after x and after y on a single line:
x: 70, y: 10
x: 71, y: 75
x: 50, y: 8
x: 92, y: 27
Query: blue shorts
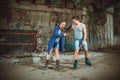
x: 78, y: 43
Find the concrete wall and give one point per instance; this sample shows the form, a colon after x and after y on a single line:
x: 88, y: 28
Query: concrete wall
x: 40, y: 18
x: 43, y: 18
x: 100, y: 29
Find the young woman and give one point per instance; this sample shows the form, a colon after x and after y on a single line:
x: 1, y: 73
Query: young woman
x: 57, y: 42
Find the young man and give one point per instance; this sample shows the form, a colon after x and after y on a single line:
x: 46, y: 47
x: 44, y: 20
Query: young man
x: 57, y: 42
x: 80, y: 40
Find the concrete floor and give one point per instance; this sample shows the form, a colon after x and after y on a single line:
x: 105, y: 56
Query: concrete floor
x: 106, y: 66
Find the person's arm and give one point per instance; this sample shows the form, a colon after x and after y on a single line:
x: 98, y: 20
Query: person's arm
x: 84, y: 32
x: 69, y: 29
x: 55, y: 33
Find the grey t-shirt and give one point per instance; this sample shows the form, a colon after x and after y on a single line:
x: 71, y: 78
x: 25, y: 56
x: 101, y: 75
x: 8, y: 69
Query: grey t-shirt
x: 78, y: 32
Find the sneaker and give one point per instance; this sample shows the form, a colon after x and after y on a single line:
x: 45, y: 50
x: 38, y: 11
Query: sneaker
x: 57, y: 63
x: 87, y: 62
x: 75, y: 64
x: 46, y: 64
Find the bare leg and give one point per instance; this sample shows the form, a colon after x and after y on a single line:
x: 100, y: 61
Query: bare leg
x: 57, y: 53
x: 76, y: 54
x: 49, y: 55
x: 57, y: 57
x: 86, y: 53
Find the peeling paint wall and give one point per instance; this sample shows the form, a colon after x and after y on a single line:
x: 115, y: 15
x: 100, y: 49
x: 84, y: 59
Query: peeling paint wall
x: 40, y: 18
x: 27, y: 16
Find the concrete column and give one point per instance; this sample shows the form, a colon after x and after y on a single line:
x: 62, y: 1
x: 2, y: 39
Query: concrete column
x: 109, y: 25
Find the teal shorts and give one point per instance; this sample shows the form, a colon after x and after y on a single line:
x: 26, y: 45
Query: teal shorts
x: 78, y: 42
x: 57, y: 43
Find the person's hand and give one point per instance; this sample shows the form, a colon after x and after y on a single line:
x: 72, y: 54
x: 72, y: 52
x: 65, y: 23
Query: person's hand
x: 64, y: 34
x: 83, y: 42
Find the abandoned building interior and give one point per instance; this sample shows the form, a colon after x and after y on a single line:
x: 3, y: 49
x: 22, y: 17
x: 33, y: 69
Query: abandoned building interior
x: 26, y: 27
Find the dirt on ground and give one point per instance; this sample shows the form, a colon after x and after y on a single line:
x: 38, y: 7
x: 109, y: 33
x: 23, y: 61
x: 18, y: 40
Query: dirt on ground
x: 106, y: 66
